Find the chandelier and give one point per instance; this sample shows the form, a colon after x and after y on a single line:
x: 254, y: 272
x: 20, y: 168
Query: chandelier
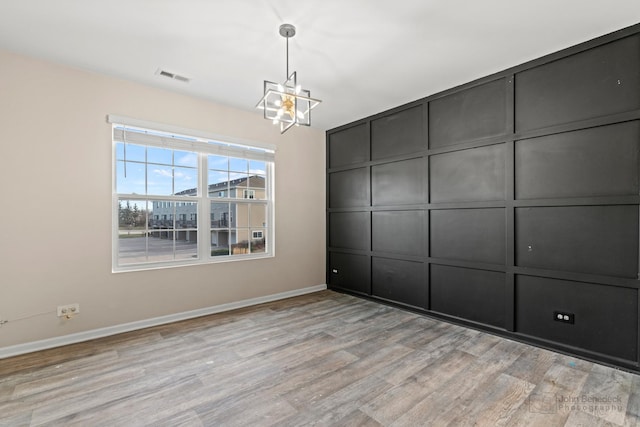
x: 287, y: 103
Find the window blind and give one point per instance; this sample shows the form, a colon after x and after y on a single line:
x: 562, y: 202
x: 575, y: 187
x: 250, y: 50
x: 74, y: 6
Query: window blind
x: 133, y: 131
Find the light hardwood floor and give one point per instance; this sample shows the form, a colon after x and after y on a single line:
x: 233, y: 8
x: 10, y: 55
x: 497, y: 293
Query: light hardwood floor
x: 322, y: 359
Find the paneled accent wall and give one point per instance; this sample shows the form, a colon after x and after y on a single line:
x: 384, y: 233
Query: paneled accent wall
x: 510, y: 203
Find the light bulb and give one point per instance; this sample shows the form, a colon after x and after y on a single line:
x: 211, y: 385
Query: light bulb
x: 300, y: 115
x: 278, y: 102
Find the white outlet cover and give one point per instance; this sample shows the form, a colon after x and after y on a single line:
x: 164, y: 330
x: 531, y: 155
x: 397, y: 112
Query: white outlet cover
x: 68, y: 309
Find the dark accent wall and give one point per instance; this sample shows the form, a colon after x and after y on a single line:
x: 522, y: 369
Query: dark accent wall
x: 502, y: 202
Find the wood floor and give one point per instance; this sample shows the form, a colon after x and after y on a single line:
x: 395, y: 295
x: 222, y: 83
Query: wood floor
x: 324, y: 359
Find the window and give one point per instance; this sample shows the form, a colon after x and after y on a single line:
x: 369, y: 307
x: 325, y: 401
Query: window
x: 183, y: 197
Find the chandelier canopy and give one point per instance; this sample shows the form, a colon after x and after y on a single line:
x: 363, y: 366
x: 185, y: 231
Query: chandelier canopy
x: 287, y: 103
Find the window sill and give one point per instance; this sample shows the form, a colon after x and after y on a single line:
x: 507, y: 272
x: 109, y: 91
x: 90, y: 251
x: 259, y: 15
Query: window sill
x: 174, y: 264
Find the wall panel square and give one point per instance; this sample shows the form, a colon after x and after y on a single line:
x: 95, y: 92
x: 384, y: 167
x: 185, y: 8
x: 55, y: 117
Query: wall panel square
x: 398, y: 133
x: 473, y: 113
x: 349, y: 230
x: 398, y: 183
x: 468, y: 234
x: 350, y: 271
x: 349, y: 146
x: 593, y: 83
x: 476, y: 174
x: 400, y: 232
x: 606, y: 317
x: 600, y: 161
x: 585, y: 239
x: 399, y: 280
x: 349, y: 188
x: 471, y: 294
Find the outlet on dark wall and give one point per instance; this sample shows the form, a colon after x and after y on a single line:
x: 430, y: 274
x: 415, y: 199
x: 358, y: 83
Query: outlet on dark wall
x: 561, y: 316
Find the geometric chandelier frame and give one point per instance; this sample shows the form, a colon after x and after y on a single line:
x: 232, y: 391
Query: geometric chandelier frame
x: 287, y: 103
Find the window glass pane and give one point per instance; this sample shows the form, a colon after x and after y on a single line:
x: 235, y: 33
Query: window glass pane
x: 160, y: 180
x: 131, y: 215
x: 257, y: 168
x: 218, y: 162
x: 186, y: 158
x: 240, y: 218
x: 186, y: 235
x: 220, y: 215
x: 161, y: 246
x: 132, y: 219
x: 131, y: 152
x: 238, y: 178
x: 238, y: 165
x: 159, y: 155
x: 161, y: 231
x: 258, y: 216
x: 161, y: 215
x: 186, y: 244
x: 186, y: 181
x: 132, y: 250
x: 220, y: 229
x: 257, y: 184
x: 218, y: 184
x: 134, y: 182
x: 258, y: 241
x: 219, y: 242
x: 187, y: 215
x: 241, y: 245
x: 238, y: 184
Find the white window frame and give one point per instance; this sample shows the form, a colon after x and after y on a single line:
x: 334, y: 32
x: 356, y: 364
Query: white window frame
x: 204, y: 144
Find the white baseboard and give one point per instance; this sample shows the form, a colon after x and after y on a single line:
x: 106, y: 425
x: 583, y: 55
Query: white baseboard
x: 30, y: 347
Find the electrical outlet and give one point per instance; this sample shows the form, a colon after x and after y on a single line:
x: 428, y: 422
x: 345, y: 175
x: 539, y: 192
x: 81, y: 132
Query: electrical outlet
x: 68, y: 310
x: 561, y: 316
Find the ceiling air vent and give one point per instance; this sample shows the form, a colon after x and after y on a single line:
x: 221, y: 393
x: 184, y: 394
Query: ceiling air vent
x: 172, y: 76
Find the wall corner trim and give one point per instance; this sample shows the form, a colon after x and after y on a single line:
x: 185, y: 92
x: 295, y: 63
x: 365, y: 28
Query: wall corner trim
x: 48, y: 343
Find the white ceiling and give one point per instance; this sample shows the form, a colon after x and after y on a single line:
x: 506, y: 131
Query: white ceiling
x: 359, y: 56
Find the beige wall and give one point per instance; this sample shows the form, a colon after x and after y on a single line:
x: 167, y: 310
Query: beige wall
x: 55, y: 180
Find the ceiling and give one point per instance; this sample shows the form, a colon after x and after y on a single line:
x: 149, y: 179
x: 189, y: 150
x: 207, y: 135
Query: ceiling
x: 359, y: 56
